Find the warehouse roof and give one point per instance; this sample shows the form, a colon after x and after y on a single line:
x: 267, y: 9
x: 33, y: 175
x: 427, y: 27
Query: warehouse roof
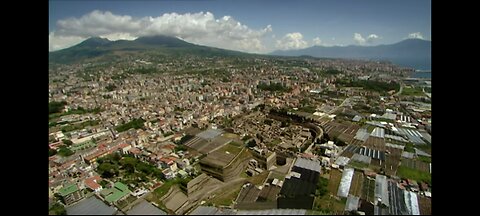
x: 308, y: 164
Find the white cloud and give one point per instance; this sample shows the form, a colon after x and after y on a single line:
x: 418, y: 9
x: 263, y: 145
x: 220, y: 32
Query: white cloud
x: 200, y: 28
x: 317, y: 41
x: 291, y: 41
x: 59, y: 42
x: 357, y: 37
x: 416, y: 35
x: 371, y: 38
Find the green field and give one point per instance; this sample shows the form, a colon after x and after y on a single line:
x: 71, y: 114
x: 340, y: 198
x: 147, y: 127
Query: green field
x: 409, y: 173
x: 416, y: 91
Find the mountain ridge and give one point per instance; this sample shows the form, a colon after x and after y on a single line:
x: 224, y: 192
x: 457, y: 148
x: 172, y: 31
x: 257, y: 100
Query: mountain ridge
x: 414, y: 53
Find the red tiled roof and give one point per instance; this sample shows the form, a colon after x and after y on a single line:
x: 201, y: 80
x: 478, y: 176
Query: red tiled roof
x: 123, y: 145
x: 135, y: 150
x: 92, y: 182
x: 169, y: 146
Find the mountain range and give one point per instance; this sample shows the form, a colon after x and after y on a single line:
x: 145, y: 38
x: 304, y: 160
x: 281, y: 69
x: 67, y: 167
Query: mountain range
x: 100, y: 47
x: 415, y: 53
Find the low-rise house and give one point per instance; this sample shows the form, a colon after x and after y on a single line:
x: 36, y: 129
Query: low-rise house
x: 70, y: 193
x: 93, y: 183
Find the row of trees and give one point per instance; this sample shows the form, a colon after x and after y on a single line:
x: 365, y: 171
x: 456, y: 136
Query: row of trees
x: 371, y: 85
x: 133, y: 169
x: 135, y: 123
x: 56, y: 106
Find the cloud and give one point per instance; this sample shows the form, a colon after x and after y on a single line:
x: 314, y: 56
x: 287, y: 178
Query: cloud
x: 59, y: 42
x: 416, y: 35
x: 200, y: 28
x: 291, y: 41
x: 371, y: 38
x: 357, y: 37
x: 317, y: 41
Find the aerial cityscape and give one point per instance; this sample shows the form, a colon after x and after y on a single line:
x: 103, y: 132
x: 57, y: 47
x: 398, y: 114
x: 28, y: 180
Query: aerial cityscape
x: 252, y: 107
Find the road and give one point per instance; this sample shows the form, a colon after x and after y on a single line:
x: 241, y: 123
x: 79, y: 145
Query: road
x: 334, y: 110
x: 400, y: 91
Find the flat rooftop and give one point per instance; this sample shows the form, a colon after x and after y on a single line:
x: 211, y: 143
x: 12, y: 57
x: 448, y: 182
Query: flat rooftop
x: 223, y: 156
x: 90, y: 206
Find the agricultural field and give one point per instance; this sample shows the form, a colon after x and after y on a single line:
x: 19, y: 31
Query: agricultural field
x: 334, y: 182
x: 391, y: 164
x: 357, y: 184
x: 409, y: 173
x: 416, y: 91
x: 416, y: 164
x: 368, y: 190
x: 425, y: 205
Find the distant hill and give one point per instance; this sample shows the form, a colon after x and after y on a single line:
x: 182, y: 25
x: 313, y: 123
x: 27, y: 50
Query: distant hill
x: 413, y: 53
x: 98, y: 47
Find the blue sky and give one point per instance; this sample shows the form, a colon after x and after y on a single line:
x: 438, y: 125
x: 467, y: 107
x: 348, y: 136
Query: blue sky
x: 293, y: 24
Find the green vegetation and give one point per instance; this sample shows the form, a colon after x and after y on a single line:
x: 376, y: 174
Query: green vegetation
x: 331, y: 71
x: 130, y: 169
x: 415, y: 91
x: 180, y: 147
x: 56, y: 107
x: 273, y: 87
x: 417, y: 175
x: 322, y: 186
x: 252, y: 143
x: 185, y: 139
x: 308, y: 109
x: 79, y: 126
x: 110, y: 87
x: 268, y: 121
x: 67, y: 142
x: 51, y: 152
x: 274, y: 143
x: 57, y: 209
x: 64, y: 151
x: 79, y: 111
x: 357, y: 164
x: 143, y: 70
x: 371, y: 85
x: 409, y: 148
x: 135, y: 123
x: 247, y: 137
x: 424, y: 159
x: 162, y: 190
x: 168, y: 134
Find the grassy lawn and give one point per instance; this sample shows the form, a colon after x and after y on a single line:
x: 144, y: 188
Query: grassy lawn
x: 276, y: 175
x: 370, y: 128
x: 162, y: 190
x: 424, y: 159
x: 357, y: 165
x: 231, y: 135
x: 416, y: 91
x: 329, y: 205
x: 258, y: 179
x: 226, y: 196
x: 409, y: 173
x: 409, y: 148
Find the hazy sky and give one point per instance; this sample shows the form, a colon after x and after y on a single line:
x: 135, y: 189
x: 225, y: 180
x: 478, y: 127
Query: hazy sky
x: 258, y: 26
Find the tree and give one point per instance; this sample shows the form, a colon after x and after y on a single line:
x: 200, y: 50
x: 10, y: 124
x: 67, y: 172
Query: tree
x: 67, y: 142
x: 64, y: 151
x: 51, y: 152
x: 252, y: 143
x: 57, y: 209
x: 56, y: 107
x: 107, y: 170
